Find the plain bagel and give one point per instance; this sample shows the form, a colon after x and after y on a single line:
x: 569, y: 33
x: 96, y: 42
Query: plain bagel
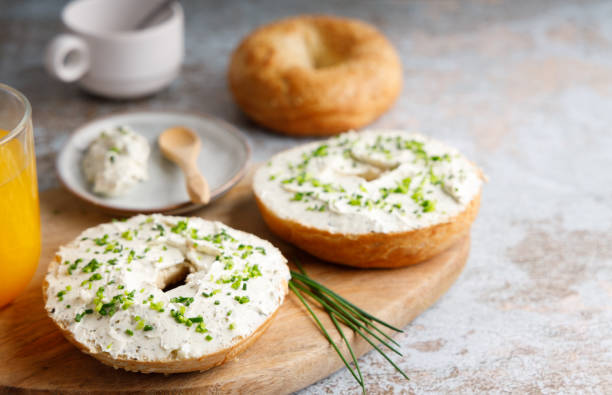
x: 315, y: 75
x: 108, y: 292
x: 375, y: 199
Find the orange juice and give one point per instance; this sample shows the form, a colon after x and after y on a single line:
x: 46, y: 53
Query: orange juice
x: 19, y: 216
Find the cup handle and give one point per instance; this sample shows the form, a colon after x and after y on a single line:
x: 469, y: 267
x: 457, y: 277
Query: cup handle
x: 67, y: 57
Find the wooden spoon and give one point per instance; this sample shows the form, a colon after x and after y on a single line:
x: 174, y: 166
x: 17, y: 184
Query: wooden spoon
x: 182, y: 146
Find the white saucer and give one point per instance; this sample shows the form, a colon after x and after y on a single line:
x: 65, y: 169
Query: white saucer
x: 223, y: 161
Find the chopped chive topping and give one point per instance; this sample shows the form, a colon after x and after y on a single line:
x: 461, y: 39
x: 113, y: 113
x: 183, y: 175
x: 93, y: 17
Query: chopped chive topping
x: 60, y: 295
x: 129, y: 332
x: 147, y: 328
x: 182, y: 299
x: 80, y: 316
x: 179, y: 227
x: 74, y: 266
x: 428, y: 206
x: 178, y: 315
x: 127, y: 235
x: 93, y: 277
x: 320, y: 151
x: 253, y: 271
x: 159, y: 306
x: 242, y: 299
x: 92, y: 266
x: 160, y: 229
x: 139, y: 322
x: 101, y: 241
x: 208, y: 295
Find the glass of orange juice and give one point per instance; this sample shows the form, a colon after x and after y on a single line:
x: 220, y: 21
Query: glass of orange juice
x: 19, y: 211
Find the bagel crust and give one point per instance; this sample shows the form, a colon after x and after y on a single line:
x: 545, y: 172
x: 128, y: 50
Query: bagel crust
x: 109, y: 292
x: 315, y: 75
x: 374, y: 250
x: 375, y: 199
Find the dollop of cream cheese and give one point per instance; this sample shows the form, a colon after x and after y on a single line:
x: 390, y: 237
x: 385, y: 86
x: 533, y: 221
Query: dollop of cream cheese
x: 108, y: 289
x: 372, y: 181
x: 116, y: 161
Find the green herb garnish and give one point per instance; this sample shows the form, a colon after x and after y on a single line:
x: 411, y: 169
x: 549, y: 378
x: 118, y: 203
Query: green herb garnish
x: 159, y: 306
x: 60, y: 295
x: 180, y: 226
x: 341, y: 311
x: 74, y: 266
x: 242, y: 299
x: 80, y: 316
x: 127, y: 235
x: 101, y: 240
x: 92, y: 266
x: 182, y: 299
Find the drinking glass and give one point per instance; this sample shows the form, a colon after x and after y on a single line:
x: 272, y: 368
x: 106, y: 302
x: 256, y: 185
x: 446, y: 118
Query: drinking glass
x: 19, y: 211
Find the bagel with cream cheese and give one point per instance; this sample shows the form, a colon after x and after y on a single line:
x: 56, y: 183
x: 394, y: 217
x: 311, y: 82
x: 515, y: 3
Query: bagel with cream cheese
x: 109, y: 291
x: 315, y: 75
x: 374, y: 199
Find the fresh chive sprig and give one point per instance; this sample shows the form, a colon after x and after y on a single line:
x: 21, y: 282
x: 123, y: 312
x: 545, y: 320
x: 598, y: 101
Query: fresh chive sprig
x: 341, y: 311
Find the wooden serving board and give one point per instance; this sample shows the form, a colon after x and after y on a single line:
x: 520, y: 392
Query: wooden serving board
x: 291, y: 354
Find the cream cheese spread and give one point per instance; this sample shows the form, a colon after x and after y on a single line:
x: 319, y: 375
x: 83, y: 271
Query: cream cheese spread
x: 372, y: 181
x: 116, y: 161
x: 108, y: 289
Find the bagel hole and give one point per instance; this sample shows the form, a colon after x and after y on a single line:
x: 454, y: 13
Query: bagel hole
x: 374, y: 172
x: 371, y: 174
x: 173, y: 277
x: 324, y: 59
x: 322, y: 53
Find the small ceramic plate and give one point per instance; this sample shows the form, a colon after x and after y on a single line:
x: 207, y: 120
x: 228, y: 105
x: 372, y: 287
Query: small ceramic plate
x: 223, y: 160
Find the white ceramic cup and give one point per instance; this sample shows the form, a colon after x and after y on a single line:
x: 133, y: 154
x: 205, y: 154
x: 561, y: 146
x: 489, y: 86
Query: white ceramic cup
x: 102, y: 51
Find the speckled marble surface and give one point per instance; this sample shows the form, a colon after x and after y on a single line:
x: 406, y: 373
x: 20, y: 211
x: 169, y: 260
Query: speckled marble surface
x: 524, y: 88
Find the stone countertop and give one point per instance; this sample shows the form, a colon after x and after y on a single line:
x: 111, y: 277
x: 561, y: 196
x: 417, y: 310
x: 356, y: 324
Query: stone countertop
x: 523, y: 88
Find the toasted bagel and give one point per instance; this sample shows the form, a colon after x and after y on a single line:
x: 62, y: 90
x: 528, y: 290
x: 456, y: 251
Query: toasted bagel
x: 108, y: 292
x: 315, y: 75
x: 375, y: 199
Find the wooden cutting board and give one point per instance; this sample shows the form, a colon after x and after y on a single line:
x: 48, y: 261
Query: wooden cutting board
x: 291, y: 354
